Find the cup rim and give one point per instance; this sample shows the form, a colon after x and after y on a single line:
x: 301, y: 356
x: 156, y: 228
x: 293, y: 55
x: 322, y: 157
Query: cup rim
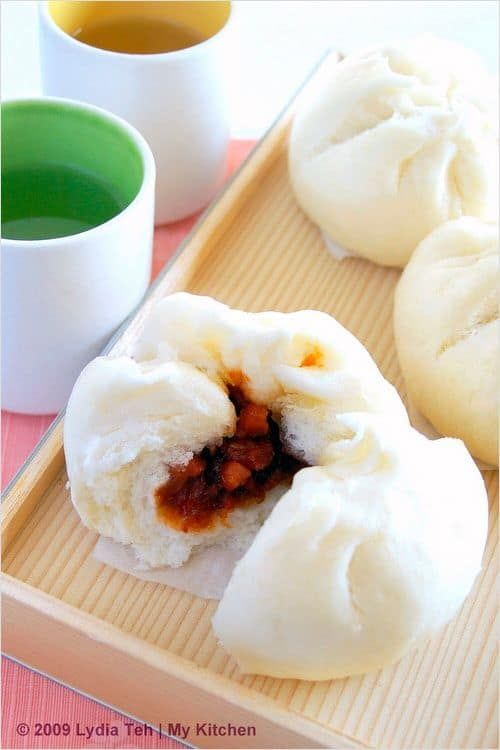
x: 139, y: 141
x: 154, y: 56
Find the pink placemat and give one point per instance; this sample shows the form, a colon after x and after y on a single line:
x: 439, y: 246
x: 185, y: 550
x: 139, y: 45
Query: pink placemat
x: 28, y: 698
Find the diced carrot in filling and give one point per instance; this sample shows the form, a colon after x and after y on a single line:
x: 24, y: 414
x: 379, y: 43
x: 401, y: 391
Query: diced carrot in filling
x: 313, y: 359
x: 239, y: 471
x: 195, y: 467
x: 233, y: 475
x: 178, y: 477
x: 252, y: 421
x: 236, y: 379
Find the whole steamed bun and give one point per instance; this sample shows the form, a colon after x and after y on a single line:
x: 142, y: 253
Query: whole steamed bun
x: 361, y: 560
x: 392, y: 143
x: 447, y: 330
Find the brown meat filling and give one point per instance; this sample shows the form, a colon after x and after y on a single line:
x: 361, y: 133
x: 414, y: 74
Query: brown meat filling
x: 238, y: 472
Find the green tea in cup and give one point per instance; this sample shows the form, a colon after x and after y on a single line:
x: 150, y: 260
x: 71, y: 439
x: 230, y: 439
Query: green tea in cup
x: 43, y: 201
x: 63, y: 171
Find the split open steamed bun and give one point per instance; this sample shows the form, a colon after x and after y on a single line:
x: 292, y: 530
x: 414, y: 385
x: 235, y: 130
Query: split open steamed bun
x: 131, y: 425
x: 378, y: 540
x: 446, y: 322
x: 361, y: 560
x: 394, y: 142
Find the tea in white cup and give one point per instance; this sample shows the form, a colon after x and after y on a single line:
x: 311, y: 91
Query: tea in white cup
x: 159, y: 65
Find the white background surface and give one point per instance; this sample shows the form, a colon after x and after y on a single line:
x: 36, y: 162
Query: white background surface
x: 274, y: 43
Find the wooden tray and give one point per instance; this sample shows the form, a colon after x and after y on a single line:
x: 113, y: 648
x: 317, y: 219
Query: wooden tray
x: 149, y: 650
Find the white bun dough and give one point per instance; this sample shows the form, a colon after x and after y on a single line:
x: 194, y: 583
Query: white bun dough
x: 361, y: 560
x: 126, y: 423
x: 393, y: 142
x: 446, y: 322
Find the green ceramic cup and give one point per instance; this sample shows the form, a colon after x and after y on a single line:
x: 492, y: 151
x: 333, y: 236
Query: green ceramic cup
x: 77, y: 224
x: 64, y: 170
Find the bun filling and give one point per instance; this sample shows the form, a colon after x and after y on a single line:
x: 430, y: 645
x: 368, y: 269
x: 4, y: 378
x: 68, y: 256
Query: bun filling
x: 240, y: 471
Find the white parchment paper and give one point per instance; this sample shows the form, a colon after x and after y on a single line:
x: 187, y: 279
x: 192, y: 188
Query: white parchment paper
x: 338, y: 252
x: 205, y: 574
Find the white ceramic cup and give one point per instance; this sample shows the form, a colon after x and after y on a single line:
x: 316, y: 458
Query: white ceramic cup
x: 175, y: 99
x: 63, y: 298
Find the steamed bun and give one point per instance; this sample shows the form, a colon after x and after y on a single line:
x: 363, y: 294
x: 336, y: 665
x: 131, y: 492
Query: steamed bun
x: 131, y: 422
x: 446, y: 322
x: 298, y: 359
x: 372, y: 549
x: 361, y: 560
x: 392, y: 143
x: 126, y: 424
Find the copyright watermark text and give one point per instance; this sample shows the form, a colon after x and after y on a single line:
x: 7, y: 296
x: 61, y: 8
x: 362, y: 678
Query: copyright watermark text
x: 131, y: 729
